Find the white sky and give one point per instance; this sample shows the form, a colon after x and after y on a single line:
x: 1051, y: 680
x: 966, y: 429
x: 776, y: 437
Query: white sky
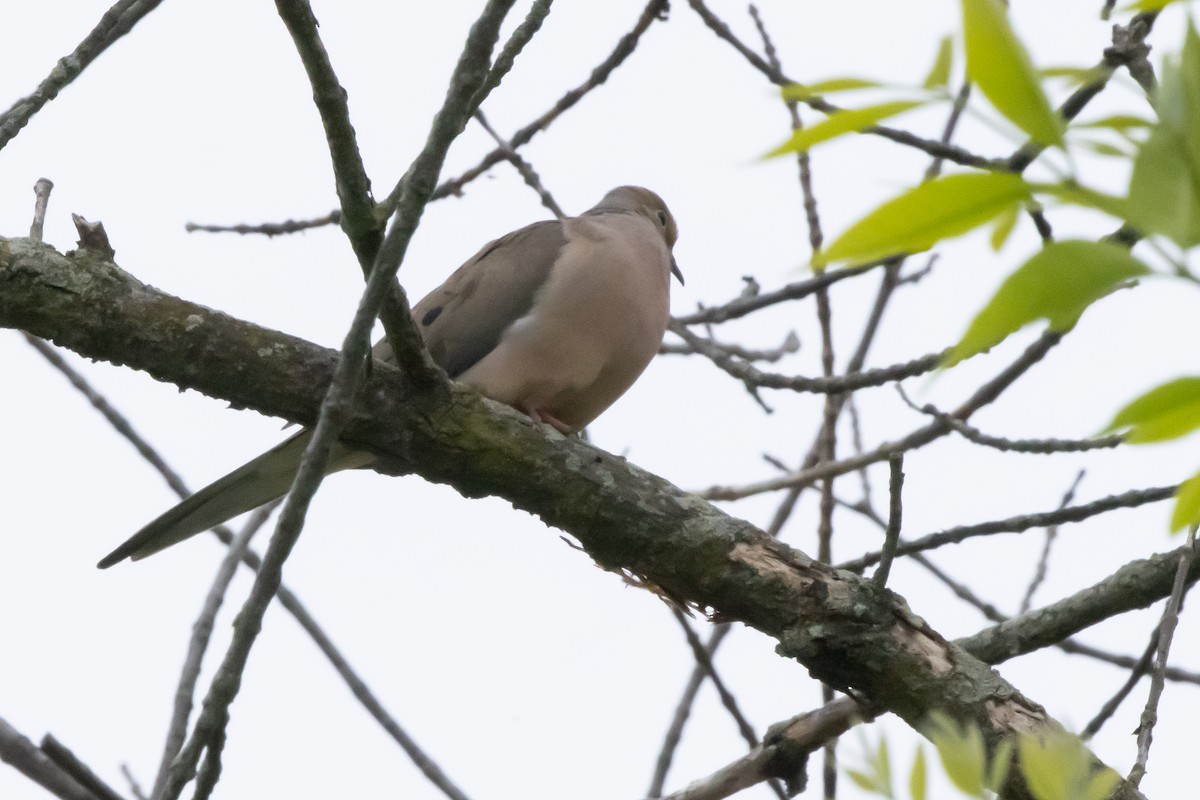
x: 522, y: 669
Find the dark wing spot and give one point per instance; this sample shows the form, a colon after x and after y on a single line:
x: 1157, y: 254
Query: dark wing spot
x: 431, y: 315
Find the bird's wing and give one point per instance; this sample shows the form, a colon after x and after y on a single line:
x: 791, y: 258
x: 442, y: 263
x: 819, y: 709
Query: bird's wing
x: 463, y: 319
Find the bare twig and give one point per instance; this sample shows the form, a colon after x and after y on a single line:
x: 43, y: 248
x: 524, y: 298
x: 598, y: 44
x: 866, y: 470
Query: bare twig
x: 201, y: 634
x: 135, y: 788
x: 1043, y: 563
x: 683, y: 710
x: 790, y: 344
x: 527, y: 172
x: 1166, y: 632
x: 350, y: 176
x: 704, y: 660
x: 1040, y: 446
x: 1110, y: 706
x: 1018, y: 524
x: 786, y: 746
x: 513, y: 47
x: 208, y: 734
x: 61, y: 755
x: 892, y: 533
x: 24, y: 756
x: 41, y: 190
x: 269, y: 228
x: 992, y: 613
x: 116, y: 22
x: 729, y: 362
x: 748, y: 303
x: 654, y: 10
x: 938, y: 149
x: 918, y: 438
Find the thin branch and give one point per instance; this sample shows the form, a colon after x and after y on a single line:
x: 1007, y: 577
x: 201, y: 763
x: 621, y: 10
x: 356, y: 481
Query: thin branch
x: 202, y: 630
x: 61, y: 755
x: 522, y: 166
x: 993, y: 614
x: 918, y: 438
x: 208, y: 735
x: 269, y: 228
x: 635, y: 522
x: 747, y: 303
x: 937, y: 149
x: 654, y: 10
x: 790, y: 344
x: 41, y: 191
x: 350, y: 176
x: 513, y: 47
x: 135, y: 788
x: 1019, y: 523
x: 1039, y: 446
x: 786, y: 746
x: 1039, y: 573
x: 729, y: 362
x: 116, y: 22
x: 1166, y: 633
x: 24, y: 756
x: 683, y: 710
x: 1123, y: 661
x: 895, y: 512
x: 704, y: 660
x: 1131, y: 681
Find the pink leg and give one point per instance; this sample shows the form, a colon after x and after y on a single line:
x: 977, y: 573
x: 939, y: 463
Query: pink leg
x: 538, y: 417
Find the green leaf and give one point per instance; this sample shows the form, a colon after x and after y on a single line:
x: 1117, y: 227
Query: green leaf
x: 1057, y: 284
x: 1116, y: 122
x: 961, y: 752
x: 883, y: 765
x: 1164, y: 192
x: 1148, y: 5
x: 1043, y: 770
x: 1078, y: 75
x: 939, y: 74
x: 1056, y: 766
x: 1106, y: 149
x: 839, y: 123
x: 999, y: 766
x: 806, y: 91
x: 998, y: 64
x: 1187, y: 504
x: 1165, y: 412
x: 1005, y: 222
x: 1071, y: 192
x: 921, y: 217
x: 917, y: 778
x: 1101, y: 784
x: 1163, y: 195
x: 864, y: 781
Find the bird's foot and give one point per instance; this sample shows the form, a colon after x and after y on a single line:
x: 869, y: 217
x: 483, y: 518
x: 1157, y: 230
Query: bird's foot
x: 540, y: 417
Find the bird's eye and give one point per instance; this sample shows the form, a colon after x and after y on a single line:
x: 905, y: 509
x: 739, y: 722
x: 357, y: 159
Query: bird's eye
x: 662, y: 218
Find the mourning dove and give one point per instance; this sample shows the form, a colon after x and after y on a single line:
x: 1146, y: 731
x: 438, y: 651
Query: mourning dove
x: 556, y: 319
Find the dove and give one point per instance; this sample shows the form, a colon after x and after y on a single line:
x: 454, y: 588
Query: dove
x: 556, y: 319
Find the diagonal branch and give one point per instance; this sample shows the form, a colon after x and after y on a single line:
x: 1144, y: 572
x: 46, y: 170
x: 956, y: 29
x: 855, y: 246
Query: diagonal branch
x: 848, y: 632
x: 116, y: 22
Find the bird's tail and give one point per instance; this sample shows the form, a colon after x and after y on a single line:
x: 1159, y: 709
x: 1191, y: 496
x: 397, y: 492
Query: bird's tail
x: 249, y: 486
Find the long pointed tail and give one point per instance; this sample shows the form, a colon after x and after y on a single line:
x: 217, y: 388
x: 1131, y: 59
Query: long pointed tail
x: 249, y: 486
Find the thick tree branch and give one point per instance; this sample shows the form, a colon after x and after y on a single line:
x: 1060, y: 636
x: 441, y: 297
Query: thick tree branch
x: 848, y: 632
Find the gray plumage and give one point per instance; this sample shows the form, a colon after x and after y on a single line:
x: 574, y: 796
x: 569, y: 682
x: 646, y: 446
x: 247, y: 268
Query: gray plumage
x: 557, y: 319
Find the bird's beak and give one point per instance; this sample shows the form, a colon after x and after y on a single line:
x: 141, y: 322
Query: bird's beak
x: 675, y: 271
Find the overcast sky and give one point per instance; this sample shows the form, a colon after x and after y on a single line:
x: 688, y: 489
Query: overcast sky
x: 522, y: 669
